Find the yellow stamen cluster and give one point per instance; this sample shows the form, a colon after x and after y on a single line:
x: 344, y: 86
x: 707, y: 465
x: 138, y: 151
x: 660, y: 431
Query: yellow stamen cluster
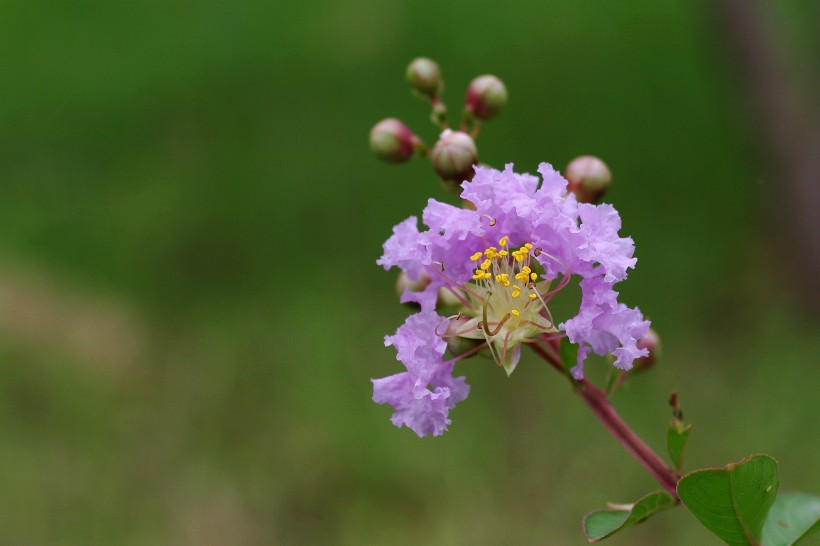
x: 526, y: 275
x: 522, y: 253
x: 490, y: 254
x: 493, y: 264
x: 499, y: 314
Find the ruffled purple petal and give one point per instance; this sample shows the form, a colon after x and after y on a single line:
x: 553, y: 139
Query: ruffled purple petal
x: 424, y: 394
x: 455, y: 233
x: 424, y: 415
x: 577, y: 371
x: 599, y: 227
x: 499, y: 191
x: 606, y: 326
x: 405, y: 250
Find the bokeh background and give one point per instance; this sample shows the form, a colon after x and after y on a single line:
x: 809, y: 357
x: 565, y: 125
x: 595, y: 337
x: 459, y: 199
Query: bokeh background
x: 190, y: 310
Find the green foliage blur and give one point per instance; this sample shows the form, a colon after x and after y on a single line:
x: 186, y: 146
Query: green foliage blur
x: 190, y: 309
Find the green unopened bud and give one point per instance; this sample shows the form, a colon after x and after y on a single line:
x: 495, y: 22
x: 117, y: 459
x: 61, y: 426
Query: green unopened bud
x: 486, y: 96
x: 454, y: 155
x: 456, y: 344
x: 652, y: 343
x: 424, y: 76
x: 393, y: 141
x: 588, y: 177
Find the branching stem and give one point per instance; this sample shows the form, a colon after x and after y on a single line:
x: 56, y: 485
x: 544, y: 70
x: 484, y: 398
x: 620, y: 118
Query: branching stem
x: 596, y: 400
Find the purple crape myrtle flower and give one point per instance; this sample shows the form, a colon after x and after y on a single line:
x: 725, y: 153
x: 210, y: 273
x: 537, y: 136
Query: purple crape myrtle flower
x: 502, y: 264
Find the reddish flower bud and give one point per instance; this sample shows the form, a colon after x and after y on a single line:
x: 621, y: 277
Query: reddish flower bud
x: 588, y: 177
x: 652, y: 343
x: 393, y: 141
x: 486, y: 96
x: 424, y: 75
x: 454, y: 156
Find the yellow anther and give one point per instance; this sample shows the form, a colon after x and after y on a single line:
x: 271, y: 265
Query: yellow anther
x: 533, y: 276
x: 516, y: 291
x: 485, y: 265
x: 533, y: 296
x: 478, y: 275
x: 503, y: 254
x: 476, y: 256
x: 488, y: 275
x: 528, y: 245
x: 515, y: 313
x: 524, y: 274
x: 504, y: 240
x: 503, y: 278
x: 491, y: 251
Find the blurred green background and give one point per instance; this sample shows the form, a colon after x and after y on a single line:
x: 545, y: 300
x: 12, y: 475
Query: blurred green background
x: 191, y: 310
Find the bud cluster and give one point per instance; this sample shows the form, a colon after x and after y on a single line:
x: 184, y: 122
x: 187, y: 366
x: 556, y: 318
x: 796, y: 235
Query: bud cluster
x: 454, y: 154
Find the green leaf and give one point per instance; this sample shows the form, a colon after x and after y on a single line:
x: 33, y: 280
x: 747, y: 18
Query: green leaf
x: 733, y: 501
x: 601, y: 524
x: 793, y: 516
x: 676, y: 437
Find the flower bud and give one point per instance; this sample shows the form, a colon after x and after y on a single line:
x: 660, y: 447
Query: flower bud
x: 393, y: 141
x: 486, y: 96
x: 450, y: 297
x: 424, y: 76
x: 588, y: 177
x: 454, y: 156
x: 456, y: 344
x: 404, y: 283
x: 652, y: 343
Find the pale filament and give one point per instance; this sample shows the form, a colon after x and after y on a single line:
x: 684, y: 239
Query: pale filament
x: 506, y: 343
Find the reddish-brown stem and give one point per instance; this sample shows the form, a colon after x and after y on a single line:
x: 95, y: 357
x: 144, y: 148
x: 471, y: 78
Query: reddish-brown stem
x: 596, y: 400
x: 614, y: 423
